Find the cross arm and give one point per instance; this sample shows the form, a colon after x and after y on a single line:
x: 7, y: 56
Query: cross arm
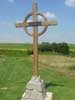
x: 49, y: 23
x: 30, y: 24
x: 21, y: 24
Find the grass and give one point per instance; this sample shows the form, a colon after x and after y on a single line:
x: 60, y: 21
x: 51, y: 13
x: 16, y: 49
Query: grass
x: 57, y: 77
x: 57, y: 71
x: 15, y: 72
x: 72, y: 67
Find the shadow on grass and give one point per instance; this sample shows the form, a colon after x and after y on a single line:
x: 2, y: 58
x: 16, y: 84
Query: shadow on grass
x: 50, y: 84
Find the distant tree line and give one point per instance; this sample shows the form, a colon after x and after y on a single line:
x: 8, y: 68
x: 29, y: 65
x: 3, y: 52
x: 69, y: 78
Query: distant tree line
x: 62, y: 48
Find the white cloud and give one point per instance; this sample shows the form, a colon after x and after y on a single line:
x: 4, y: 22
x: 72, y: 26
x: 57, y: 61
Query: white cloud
x: 29, y: 20
x: 50, y: 14
x: 70, y: 3
x: 11, y: 1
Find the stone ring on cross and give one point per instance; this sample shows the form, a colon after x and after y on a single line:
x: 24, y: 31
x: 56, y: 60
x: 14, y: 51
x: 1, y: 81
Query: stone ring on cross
x: 37, y: 23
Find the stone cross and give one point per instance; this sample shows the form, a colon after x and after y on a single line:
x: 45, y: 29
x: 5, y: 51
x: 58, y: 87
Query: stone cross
x: 35, y: 23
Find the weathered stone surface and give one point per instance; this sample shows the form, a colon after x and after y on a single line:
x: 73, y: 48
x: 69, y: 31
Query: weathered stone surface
x: 36, y: 84
x: 28, y: 94
x: 35, y: 90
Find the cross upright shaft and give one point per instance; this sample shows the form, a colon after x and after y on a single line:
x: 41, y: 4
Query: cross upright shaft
x: 35, y: 40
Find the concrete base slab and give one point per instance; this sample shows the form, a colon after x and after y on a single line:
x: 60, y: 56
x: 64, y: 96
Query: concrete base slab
x: 49, y: 96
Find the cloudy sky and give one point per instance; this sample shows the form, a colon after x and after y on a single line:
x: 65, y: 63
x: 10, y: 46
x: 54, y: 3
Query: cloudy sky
x: 12, y: 11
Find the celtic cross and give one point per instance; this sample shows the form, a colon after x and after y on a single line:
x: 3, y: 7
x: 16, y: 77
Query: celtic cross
x: 35, y: 24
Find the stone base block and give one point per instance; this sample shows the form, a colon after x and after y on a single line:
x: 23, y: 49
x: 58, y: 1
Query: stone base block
x: 35, y: 90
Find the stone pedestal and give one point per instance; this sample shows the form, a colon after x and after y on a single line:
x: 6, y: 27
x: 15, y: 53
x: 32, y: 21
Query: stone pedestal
x: 35, y: 90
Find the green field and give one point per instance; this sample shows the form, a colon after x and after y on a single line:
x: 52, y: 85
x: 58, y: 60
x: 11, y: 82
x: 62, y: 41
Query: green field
x: 15, y: 46
x: 22, y: 46
x: 57, y: 71
x: 72, y: 47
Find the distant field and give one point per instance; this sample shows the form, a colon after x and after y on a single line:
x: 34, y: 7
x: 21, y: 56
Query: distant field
x: 19, y: 46
x: 57, y: 71
x: 15, y: 49
x: 15, y: 46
